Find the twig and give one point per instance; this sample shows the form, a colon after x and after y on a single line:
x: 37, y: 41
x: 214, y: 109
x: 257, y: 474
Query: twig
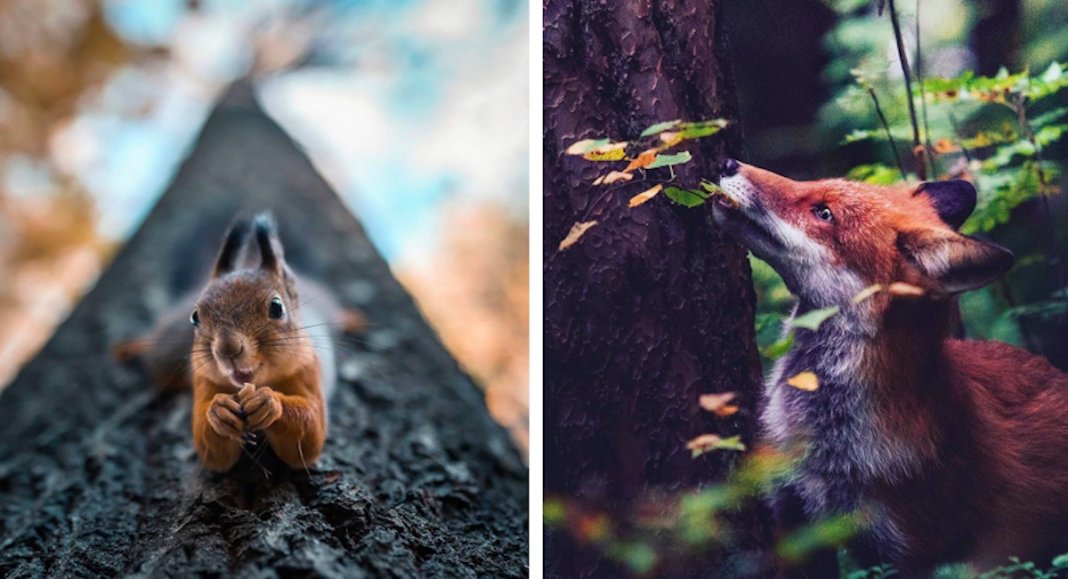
x: 889, y: 135
x: 960, y: 135
x: 923, y: 95
x: 1020, y: 106
x: 921, y: 166
x: 1025, y: 333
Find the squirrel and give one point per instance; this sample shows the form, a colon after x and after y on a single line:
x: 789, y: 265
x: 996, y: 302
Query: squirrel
x: 257, y: 350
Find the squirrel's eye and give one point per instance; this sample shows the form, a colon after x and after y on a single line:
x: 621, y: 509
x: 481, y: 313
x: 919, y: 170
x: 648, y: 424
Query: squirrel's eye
x: 276, y: 310
x: 194, y: 319
x: 823, y: 213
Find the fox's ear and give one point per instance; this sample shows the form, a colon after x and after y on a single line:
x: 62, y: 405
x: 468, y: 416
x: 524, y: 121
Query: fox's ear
x: 954, y: 200
x: 956, y: 263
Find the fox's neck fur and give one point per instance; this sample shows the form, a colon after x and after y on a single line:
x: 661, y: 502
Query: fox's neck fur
x: 873, y: 419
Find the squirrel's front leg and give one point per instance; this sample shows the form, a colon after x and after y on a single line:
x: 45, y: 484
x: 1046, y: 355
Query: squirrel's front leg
x: 294, y: 424
x: 217, y: 430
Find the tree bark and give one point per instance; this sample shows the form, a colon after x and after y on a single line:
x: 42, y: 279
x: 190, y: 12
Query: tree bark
x: 653, y: 306
x: 97, y: 472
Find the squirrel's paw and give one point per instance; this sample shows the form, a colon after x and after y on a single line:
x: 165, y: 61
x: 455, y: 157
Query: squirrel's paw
x: 261, y: 406
x: 224, y: 417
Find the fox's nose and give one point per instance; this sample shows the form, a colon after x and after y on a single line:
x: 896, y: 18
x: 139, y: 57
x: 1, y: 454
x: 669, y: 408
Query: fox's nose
x: 729, y: 168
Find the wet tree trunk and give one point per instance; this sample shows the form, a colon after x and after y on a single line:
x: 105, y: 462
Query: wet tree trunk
x: 97, y: 472
x: 653, y: 306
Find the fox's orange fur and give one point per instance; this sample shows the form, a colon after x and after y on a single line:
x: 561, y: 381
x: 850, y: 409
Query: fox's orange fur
x: 953, y: 450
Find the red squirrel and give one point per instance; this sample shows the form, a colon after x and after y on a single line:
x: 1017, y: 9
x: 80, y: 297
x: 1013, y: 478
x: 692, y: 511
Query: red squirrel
x: 258, y: 352
x: 948, y: 450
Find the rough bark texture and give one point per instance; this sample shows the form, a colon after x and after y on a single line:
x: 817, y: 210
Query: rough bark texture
x: 97, y: 471
x: 653, y: 306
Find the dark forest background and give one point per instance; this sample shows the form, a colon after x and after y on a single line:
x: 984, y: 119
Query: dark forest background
x: 802, y: 69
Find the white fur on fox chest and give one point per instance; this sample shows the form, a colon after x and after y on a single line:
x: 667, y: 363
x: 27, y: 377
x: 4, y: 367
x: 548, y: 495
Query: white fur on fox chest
x: 847, y: 450
x: 838, y: 421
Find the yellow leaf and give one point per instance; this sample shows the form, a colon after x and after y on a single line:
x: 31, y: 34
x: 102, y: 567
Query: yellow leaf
x: 806, y: 381
x: 585, y: 146
x: 577, y: 231
x: 642, y: 161
x: 902, y: 289
x: 644, y: 196
x: 719, y: 404
x: 709, y: 442
x: 670, y: 139
x: 867, y: 293
x: 613, y: 152
x: 613, y: 177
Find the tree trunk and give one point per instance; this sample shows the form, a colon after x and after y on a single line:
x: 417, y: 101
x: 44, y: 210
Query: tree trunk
x: 653, y: 306
x: 97, y: 472
x: 995, y: 38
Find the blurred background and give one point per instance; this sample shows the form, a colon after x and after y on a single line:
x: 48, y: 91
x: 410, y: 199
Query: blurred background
x: 810, y: 74
x: 415, y: 111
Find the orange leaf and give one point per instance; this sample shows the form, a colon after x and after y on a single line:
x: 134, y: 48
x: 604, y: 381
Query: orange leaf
x: 642, y: 161
x: 576, y: 233
x: 806, y: 381
x: 943, y: 146
x: 719, y: 404
x: 644, y: 196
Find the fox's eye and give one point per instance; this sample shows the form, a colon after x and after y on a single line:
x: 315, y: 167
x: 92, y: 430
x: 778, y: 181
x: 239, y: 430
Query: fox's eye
x: 276, y: 309
x: 823, y: 213
x: 194, y: 318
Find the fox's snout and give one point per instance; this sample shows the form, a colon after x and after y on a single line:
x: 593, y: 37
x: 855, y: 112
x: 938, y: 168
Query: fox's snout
x: 831, y: 238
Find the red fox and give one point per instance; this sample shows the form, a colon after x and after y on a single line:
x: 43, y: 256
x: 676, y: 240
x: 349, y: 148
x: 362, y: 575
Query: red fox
x: 948, y: 450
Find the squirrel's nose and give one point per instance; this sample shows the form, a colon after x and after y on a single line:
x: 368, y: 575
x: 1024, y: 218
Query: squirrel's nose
x: 229, y: 349
x: 729, y: 168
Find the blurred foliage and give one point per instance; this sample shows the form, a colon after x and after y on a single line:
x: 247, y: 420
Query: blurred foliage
x: 668, y: 530
x: 52, y: 53
x: 491, y: 287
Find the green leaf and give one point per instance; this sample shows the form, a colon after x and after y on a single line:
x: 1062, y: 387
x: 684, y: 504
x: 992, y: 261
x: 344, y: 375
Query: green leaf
x: 554, y: 512
x: 639, y: 557
x: 667, y: 160
x: 685, y: 197
x: 659, y: 128
x: 779, y: 348
x: 876, y: 174
x: 813, y: 319
x: 711, y: 187
x: 828, y: 532
x: 700, y: 129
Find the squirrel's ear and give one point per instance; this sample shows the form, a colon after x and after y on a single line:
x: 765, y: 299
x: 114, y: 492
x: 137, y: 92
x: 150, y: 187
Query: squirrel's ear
x: 271, y: 253
x: 231, y: 248
x: 954, y: 262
